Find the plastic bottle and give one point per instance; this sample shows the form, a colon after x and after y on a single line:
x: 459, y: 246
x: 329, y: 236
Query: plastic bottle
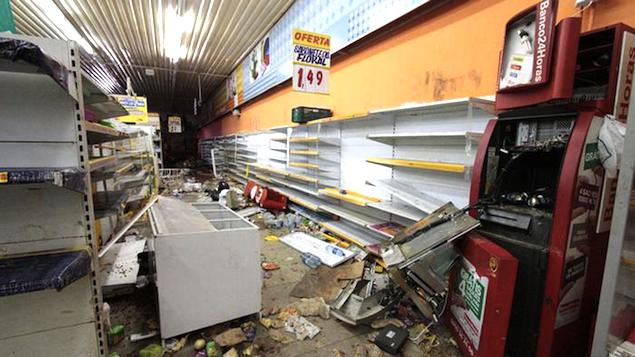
x: 311, y: 260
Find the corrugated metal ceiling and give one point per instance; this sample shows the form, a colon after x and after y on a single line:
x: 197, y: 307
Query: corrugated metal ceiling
x: 128, y: 36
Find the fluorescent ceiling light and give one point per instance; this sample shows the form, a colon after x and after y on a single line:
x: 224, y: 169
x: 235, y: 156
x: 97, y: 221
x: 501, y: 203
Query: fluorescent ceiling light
x: 176, y: 25
x: 57, y: 20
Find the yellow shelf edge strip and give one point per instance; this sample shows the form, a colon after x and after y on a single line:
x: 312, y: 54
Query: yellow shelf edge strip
x: 304, y: 165
x: 332, y: 239
x: 304, y: 152
x: 350, y: 196
x: 303, y: 178
x: 419, y: 164
x: 304, y: 140
x: 341, y: 234
x: 304, y: 203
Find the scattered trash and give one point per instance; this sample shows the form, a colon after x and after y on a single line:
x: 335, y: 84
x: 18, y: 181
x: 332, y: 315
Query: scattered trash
x: 272, y: 221
x: 249, y: 330
x: 266, y: 274
x: 271, y: 238
x: 266, y: 322
x: 200, y: 353
x: 199, y: 344
x: 268, y: 311
x: 212, y: 350
x: 328, y: 253
x: 222, y: 185
x: 106, y: 313
x: 113, y: 354
x: 327, y: 282
x: 191, y: 187
x: 230, y: 337
x: 229, y: 198
x: 115, y: 334
x: 418, y: 332
x: 231, y: 353
x: 175, y: 345
x: 311, y: 260
x: 249, y: 211
x: 381, y: 323
x: 152, y: 324
x: 338, y: 353
x: 301, y: 327
x: 391, y: 338
x: 281, y: 336
x: 152, y: 350
x: 312, y: 307
x: 270, y: 266
x: 368, y: 350
x: 248, y: 351
x: 143, y: 336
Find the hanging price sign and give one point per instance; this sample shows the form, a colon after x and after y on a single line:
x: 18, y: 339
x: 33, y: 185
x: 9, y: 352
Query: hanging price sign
x: 311, y: 62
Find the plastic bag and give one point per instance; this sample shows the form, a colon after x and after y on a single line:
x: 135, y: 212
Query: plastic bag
x: 611, y: 144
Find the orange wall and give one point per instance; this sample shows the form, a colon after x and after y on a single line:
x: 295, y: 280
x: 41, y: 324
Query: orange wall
x: 452, y: 54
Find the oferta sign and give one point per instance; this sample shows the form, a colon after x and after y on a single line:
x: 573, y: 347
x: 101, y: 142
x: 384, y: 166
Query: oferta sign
x: 311, y: 61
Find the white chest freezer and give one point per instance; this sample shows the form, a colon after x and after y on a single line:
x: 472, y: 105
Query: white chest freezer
x: 207, y: 263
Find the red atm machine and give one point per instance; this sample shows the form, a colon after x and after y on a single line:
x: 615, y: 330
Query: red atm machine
x: 539, y: 188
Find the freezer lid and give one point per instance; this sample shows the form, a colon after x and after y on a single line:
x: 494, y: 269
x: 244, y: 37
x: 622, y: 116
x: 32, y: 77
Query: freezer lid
x: 171, y: 216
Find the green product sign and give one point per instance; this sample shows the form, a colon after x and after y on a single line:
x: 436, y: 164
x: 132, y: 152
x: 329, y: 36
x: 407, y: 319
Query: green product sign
x: 591, y: 156
x: 6, y: 17
x: 473, y: 291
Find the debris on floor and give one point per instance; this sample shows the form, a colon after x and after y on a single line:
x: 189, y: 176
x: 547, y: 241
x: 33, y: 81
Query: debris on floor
x: 143, y: 336
x: 231, y: 353
x: 310, y: 260
x: 301, y: 327
x: 311, y: 307
x: 381, y: 323
x: 281, y: 336
x: 391, y: 338
x: 230, y: 337
x: 400, y: 285
x: 152, y: 350
x: 270, y: 266
x: 199, y: 344
x: 368, y: 350
x: 326, y: 282
x: 211, y: 349
x: 249, y: 211
x: 115, y: 334
x: 175, y: 345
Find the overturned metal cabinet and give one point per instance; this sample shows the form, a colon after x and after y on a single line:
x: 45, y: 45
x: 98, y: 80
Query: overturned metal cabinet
x: 208, y: 265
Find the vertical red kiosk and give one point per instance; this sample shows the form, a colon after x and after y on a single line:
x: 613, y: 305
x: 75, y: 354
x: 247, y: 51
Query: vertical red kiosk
x: 540, y: 187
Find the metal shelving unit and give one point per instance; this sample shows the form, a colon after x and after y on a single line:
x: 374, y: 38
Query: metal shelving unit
x: 47, y: 136
x: 158, y: 146
x: 125, y: 173
x: 415, y: 158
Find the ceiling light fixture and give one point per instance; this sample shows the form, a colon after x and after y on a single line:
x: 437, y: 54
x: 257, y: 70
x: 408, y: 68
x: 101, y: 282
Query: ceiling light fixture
x: 177, y: 24
x: 57, y: 20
